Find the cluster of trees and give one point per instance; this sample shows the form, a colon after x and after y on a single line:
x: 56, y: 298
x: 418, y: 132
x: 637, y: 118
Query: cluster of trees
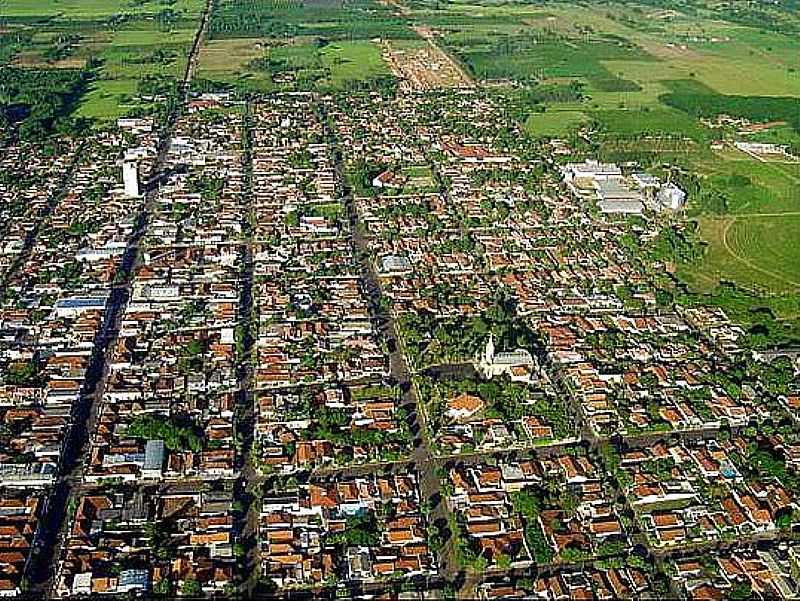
x: 62, y: 47
x: 702, y: 103
x: 359, y: 531
x: 191, y: 357
x: 453, y: 340
x: 677, y: 244
x: 208, y: 186
x: 23, y: 373
x: 755, y: 313
x: 533, y: 98
x: 334, y: 425
x: 360, y: 176
x: 49, y: 96
x: 291, y: 18
x: 177, y: 436
x: 528, y: 505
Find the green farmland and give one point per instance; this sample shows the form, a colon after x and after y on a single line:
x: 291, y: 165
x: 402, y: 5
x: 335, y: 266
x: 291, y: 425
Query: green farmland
x: 121, y: 44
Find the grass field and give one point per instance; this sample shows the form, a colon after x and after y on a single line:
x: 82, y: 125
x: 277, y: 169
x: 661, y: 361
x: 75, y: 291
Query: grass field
x: 759, y: 253
x: 302, y: 64
x: 108, y: 99
x: 352, y: 61
x: 756, y: 243
x: 752, y: 186
x: 228, y: 61
x: 665, y: 121
x: 554, y: 123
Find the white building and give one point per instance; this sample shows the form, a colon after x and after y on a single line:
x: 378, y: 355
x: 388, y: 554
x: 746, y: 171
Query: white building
x: 672, y: 197
x: 591, y: 170
x: 518, y: 364
x: 130, y: 177
x: 75, y: 305
x: 395, y: 265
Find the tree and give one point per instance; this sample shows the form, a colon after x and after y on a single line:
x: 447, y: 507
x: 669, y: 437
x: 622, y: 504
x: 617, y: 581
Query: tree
x: 162, y: 587
x: 741, y: 590
x: 191, y: 588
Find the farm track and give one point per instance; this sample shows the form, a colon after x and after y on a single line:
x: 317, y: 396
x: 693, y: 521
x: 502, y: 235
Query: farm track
x: 41, y: 570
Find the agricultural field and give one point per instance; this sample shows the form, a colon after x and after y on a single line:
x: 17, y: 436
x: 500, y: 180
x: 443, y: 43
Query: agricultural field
x: 329, y: 19
x: 554, y: 122
x: 318, y: 45
x: 12, y: 10
x: 231, y: 61
x: 118, y: 44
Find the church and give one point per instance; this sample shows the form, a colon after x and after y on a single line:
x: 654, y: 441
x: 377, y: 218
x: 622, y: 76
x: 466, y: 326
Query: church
x: 519, y: 364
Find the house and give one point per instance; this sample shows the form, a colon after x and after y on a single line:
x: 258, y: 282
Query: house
x: 464, y: 406
x: 387, y: 179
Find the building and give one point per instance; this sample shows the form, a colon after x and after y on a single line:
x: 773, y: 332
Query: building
x: 591, y: 170
x: 395, y: 265
x: 386, y: 179
x: 73, y: 306
x: 130, y: 178
x: 82, y: 584
x: 133, y: 580
x: 153, y: 459
x: 645, y: 181
x: 464, y: 406
x: 614, y: 196
x: 517, y: 365
x: 621, y: 207
x: 672, y: 197
x: 27, y: 475
x: 763, y: 148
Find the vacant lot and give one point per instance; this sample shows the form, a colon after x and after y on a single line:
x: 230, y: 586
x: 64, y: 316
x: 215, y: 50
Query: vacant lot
x: 422, y: 65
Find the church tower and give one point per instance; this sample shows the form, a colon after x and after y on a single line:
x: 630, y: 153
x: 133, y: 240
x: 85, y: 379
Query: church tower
x: 488, y: 354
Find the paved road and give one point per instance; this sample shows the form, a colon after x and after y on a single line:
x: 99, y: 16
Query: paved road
x: 248, y: 480
x: 426, y: 464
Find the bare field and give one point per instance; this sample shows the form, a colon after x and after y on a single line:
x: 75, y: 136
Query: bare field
x: 423, y: 65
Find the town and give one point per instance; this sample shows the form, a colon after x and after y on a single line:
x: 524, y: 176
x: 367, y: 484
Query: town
x: 348, y: 342
x: 379, y: 342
